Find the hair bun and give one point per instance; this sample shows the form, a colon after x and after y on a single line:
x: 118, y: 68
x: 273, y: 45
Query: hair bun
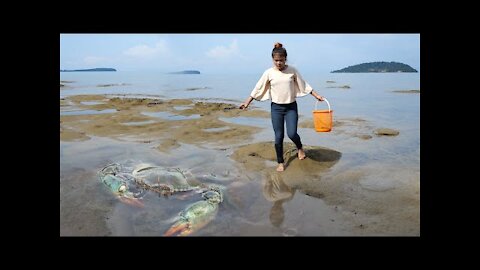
x: 278, y: 45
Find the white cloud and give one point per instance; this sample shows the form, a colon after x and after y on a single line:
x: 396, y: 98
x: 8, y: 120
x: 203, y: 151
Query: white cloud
x: 222, y: 52
x: 145, y: 51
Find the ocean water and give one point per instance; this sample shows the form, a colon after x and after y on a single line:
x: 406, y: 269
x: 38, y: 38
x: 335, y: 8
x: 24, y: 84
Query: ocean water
x: 370, y: 96
x: 384, y: 162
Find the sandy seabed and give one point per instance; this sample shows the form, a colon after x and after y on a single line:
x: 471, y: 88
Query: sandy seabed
x: 318, y: 196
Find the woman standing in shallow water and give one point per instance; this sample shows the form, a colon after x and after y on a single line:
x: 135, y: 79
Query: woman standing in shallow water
x: 282, y: 84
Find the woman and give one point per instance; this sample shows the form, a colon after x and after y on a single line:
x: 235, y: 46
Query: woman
x: 282, y: 84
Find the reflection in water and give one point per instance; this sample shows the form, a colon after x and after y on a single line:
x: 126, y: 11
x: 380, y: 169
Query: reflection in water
x: 280, y: 187
x: 275, y: 190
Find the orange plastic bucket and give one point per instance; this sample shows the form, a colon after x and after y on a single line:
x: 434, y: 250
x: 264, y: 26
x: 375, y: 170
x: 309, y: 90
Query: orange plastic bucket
x: 323, y: 119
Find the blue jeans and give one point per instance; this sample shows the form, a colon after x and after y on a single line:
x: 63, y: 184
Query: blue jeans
x: 282, y: 113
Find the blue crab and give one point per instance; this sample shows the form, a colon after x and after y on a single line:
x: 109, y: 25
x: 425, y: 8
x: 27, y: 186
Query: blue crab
x: 124, y: 181
x: 198, y: 214
x: 117, y: 183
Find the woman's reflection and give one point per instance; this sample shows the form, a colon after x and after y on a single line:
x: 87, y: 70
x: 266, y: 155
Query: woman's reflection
x: 275, y: 190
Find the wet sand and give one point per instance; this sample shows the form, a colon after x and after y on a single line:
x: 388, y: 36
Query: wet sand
x: 317, y: 196
x: 200, y: 119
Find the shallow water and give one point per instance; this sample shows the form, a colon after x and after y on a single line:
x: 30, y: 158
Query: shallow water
x: 244, y: 212
x: 139, y: 123
x: 171, y: 116
x: 379, y: 175
x: 248, y: 121
x: 86, y: 112
x: 220, y: 129
x: 92, y: 102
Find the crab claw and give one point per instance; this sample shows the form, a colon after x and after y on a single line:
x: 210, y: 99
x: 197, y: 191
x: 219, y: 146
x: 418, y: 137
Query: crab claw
x: 131, y: 201
x: 181, y: 227
x: 193, y: 218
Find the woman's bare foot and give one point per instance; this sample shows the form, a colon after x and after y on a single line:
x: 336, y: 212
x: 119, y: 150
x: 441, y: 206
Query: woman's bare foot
x: 280, y: 167
x: 301, y: 154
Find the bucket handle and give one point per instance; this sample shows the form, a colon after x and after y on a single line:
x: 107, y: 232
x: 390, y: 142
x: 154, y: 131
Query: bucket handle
x: 328, y: 103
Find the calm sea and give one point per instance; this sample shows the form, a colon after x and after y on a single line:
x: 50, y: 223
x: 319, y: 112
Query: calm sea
x: 370, y: 96
x: 383, y: 162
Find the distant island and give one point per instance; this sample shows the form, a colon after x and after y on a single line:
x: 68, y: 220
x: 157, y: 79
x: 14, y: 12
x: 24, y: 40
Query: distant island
x: 377, y: 67
x: 90, y: 69
x: 186, y: 72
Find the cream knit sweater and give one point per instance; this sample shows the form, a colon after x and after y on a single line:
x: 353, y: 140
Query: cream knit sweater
x: 281, y: 87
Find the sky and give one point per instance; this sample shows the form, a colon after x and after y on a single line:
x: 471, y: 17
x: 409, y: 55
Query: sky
x: 234, y: 53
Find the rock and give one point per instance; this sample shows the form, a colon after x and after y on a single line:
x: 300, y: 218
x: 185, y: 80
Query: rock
x: 387, y: 132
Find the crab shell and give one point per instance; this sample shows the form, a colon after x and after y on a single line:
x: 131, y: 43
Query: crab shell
x: 159, y: 178
x: 113, y: 168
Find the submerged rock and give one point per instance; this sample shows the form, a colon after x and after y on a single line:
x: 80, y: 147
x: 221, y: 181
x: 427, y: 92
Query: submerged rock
x: 386, y: 132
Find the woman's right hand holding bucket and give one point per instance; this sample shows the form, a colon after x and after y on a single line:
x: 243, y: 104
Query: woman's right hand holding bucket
x: 317, y: 96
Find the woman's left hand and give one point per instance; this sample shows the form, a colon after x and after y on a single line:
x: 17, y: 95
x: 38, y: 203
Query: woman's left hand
x: 320, y: 98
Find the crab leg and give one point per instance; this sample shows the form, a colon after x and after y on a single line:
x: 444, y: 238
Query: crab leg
x: 131, y: 201
x: 181, y: 227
